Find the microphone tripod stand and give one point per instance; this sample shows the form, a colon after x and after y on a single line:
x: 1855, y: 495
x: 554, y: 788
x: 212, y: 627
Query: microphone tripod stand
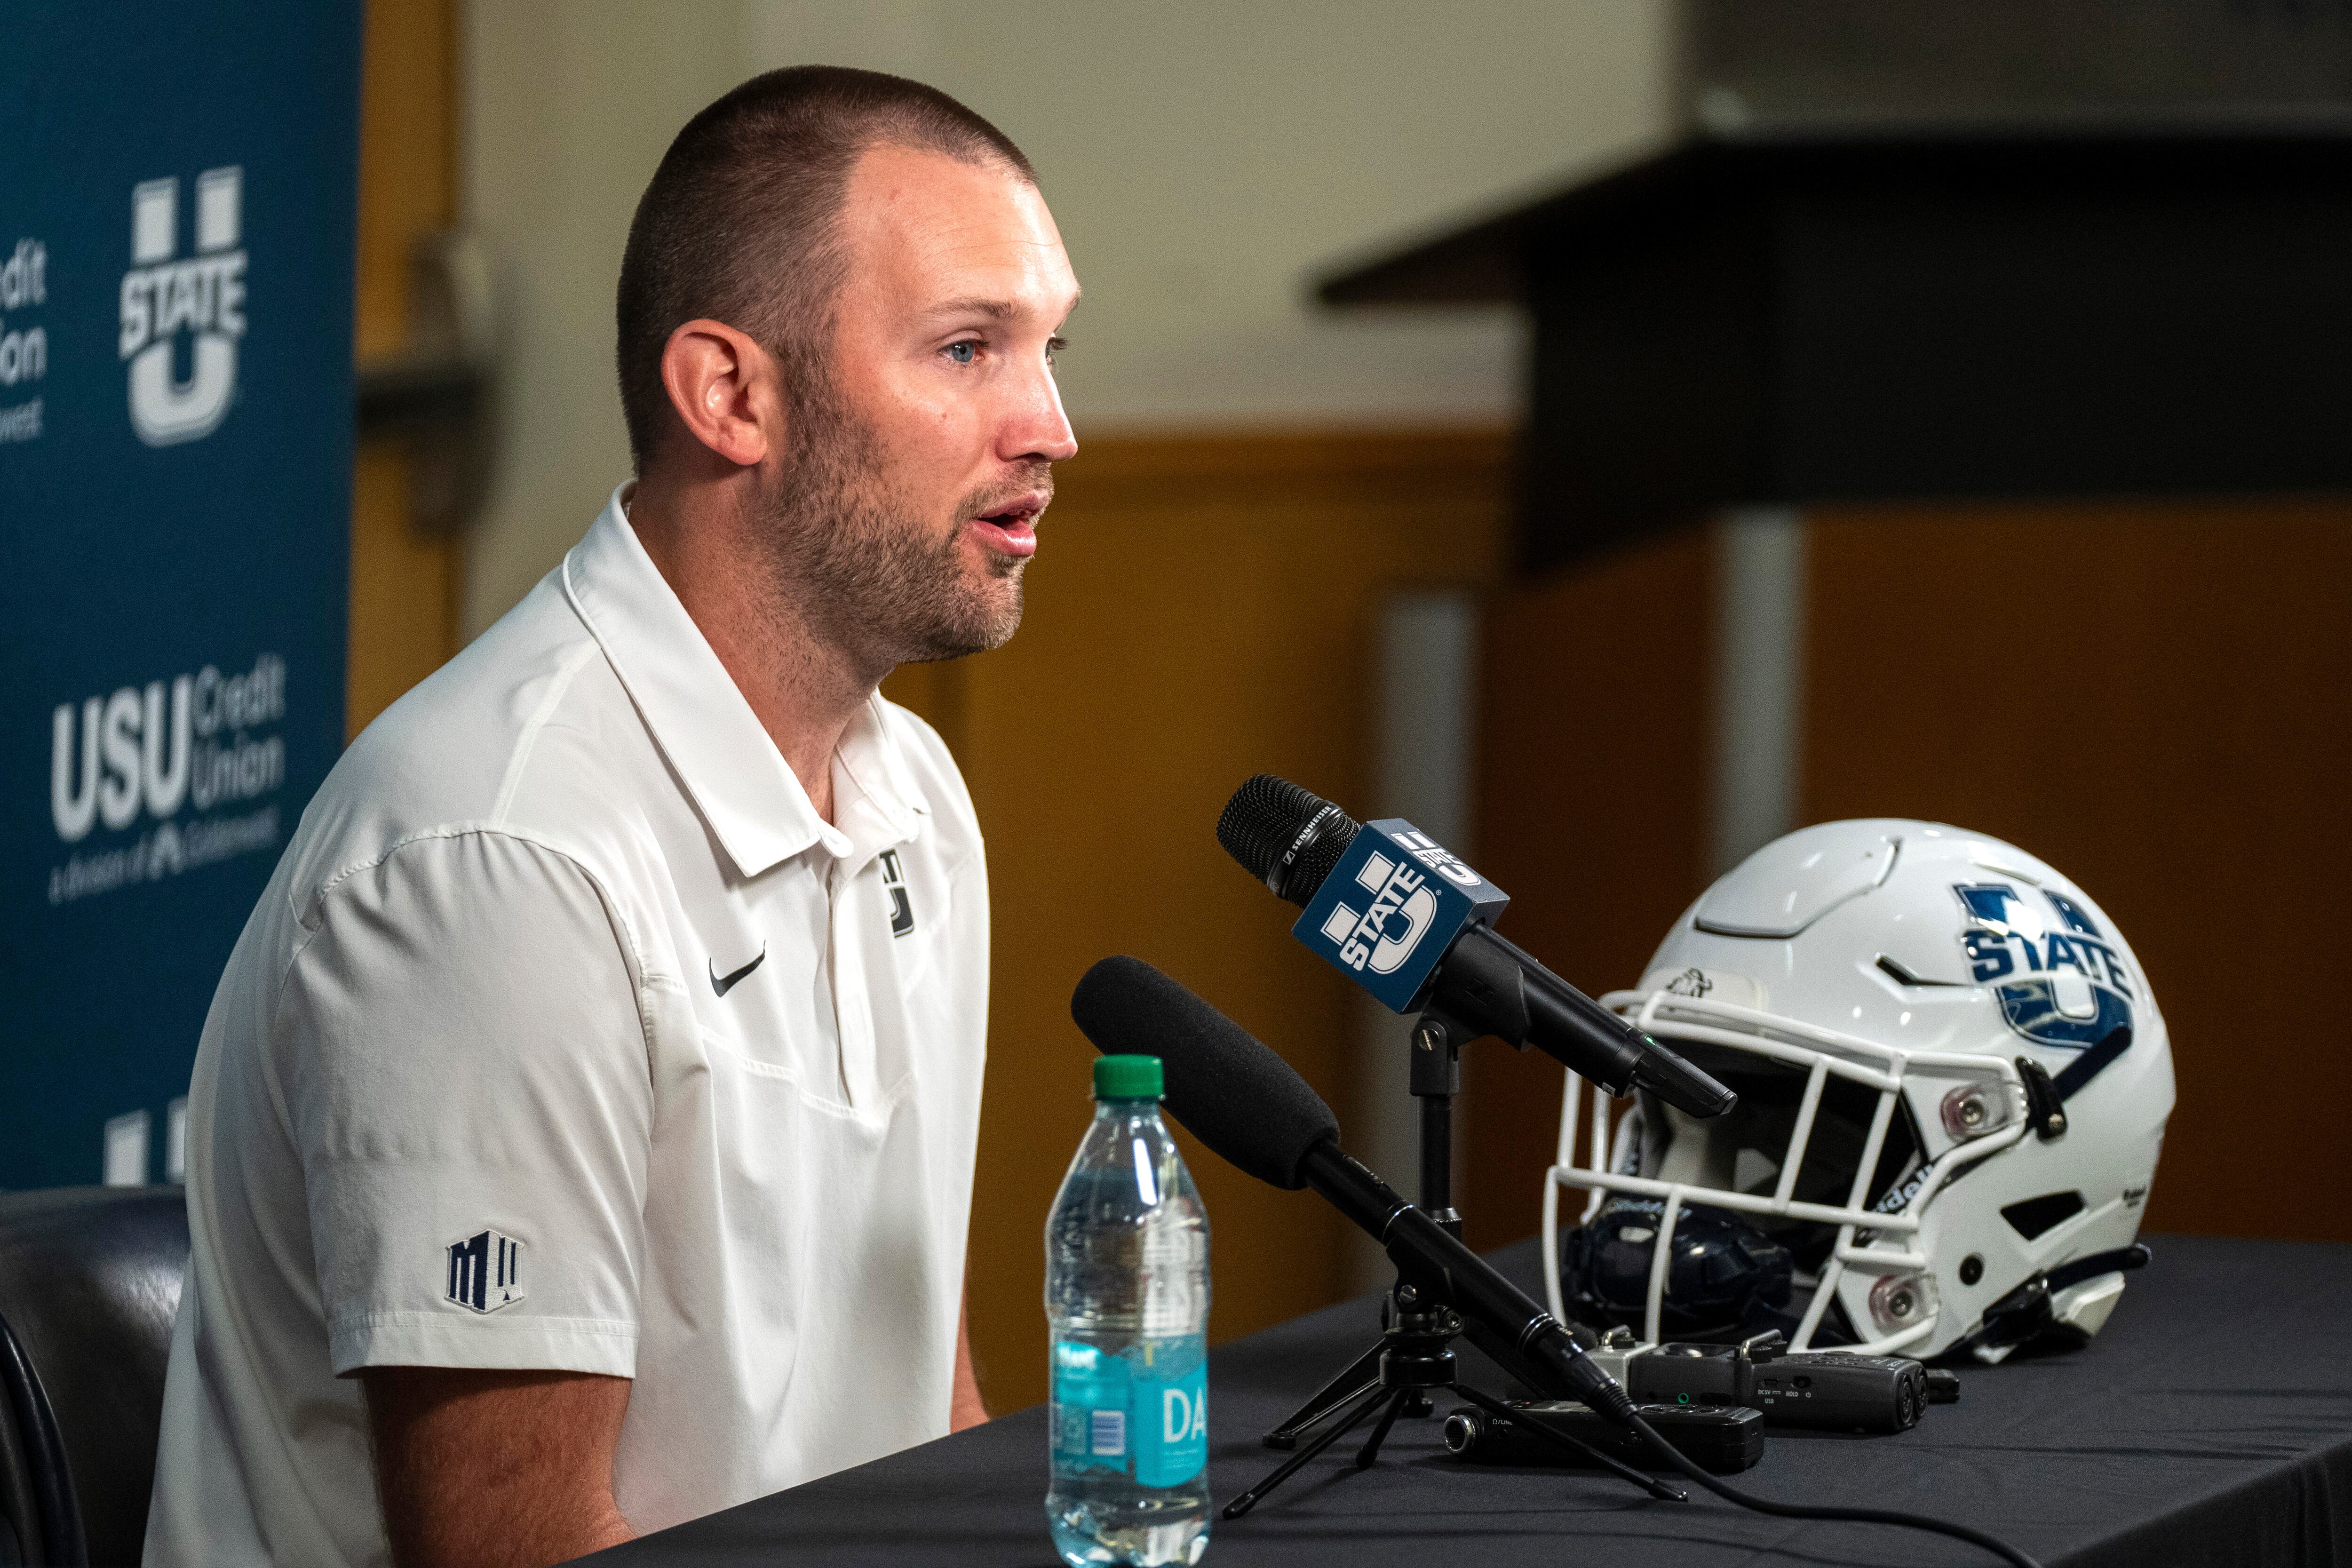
x: 1434, y: 1078
x: 1413, y: 1356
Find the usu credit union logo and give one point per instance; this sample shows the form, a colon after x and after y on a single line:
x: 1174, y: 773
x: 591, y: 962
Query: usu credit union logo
x: 206, y: 741
x: 198, y: 299
x: 1392, y: 907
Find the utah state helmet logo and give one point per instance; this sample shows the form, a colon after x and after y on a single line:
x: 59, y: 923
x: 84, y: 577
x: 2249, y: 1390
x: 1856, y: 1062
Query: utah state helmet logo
x: 2061, y: 982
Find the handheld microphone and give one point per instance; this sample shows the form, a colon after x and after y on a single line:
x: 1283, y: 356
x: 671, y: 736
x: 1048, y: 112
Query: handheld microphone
x: 1410, y: 922
x: 1251, y: 1110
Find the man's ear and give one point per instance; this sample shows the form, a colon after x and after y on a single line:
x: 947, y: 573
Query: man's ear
x: 725, y: 389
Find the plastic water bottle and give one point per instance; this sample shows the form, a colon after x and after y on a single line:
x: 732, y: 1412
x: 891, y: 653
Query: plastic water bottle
x: 1127, y: 1298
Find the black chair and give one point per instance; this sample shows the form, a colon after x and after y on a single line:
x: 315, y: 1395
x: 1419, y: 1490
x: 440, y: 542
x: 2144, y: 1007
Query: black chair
x: 89, y: 1280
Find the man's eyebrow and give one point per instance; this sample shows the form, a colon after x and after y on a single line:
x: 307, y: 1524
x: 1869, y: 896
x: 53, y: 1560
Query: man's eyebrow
x: 995, y: 309
x: 973, y: 305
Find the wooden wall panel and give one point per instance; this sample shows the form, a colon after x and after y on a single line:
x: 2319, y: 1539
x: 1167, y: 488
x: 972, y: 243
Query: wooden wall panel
x: 2155, y: 698
x: 1593, y: 801
x: 1200, y: 610
x: 405, y: 583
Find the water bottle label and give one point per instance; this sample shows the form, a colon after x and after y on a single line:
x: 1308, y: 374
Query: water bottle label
x: 1089, y: 1410
x: 1152, y: 1409
x: 1171, y: 1423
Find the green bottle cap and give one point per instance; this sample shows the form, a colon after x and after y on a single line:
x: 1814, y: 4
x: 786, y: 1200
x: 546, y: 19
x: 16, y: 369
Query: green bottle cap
x: 1128, y: 1078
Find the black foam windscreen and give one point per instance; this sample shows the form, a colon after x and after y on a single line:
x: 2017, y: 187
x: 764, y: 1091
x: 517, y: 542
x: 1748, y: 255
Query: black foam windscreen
x: 1229, y: 1090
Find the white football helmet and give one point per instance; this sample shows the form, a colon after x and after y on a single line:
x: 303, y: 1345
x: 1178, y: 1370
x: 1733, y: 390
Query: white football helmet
x: 1953, y: 1084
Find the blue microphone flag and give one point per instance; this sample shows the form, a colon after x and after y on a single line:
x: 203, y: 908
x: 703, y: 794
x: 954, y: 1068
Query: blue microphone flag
x: 1392, y: 907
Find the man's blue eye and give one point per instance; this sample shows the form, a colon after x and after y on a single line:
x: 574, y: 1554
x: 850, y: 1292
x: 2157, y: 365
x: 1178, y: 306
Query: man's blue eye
x: 963, y: 352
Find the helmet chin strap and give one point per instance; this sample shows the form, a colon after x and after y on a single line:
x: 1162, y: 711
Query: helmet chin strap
x: 2027, y: 1312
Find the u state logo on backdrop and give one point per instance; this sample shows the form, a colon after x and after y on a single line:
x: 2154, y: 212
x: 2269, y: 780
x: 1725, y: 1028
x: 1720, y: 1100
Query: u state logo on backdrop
x: 198, y: 298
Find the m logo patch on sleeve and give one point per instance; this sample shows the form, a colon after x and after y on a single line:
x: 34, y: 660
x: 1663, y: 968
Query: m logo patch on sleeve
x: 486, y: 1272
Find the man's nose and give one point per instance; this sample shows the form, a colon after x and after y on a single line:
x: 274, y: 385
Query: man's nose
x: 1037, y: 428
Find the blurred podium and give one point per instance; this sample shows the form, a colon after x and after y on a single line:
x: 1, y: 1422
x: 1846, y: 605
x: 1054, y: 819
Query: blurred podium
x: 2017, y: 248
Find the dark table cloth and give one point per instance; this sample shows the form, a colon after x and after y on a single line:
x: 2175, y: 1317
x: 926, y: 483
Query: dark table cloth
x: 2209, y: 1424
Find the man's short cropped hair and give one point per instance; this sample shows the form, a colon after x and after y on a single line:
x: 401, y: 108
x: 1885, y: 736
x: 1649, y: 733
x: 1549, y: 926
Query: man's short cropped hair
x: 739, y: 224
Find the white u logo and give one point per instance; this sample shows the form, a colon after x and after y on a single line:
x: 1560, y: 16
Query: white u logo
x: 161, y: 295
x: 1393, y: 950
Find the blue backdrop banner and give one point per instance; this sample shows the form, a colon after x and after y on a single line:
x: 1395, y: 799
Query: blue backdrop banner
x: 178, y: 198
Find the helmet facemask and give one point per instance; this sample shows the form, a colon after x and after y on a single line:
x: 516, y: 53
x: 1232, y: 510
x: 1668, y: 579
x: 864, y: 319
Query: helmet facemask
x: 1777, y: 1173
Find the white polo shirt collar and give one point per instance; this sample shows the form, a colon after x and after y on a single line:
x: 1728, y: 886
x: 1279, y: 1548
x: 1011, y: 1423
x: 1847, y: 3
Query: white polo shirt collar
x: 739, y: 781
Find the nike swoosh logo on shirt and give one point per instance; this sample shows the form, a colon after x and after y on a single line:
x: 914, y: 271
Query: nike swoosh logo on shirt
x: 721, y: 984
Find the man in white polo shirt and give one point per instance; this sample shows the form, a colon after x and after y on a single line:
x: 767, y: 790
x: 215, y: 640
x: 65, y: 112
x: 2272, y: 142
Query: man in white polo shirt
x: 581, y: 1137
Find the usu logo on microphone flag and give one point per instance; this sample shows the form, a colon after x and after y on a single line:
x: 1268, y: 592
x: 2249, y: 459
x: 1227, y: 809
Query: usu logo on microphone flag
x: 178, y: 203
x: 1392, y: 907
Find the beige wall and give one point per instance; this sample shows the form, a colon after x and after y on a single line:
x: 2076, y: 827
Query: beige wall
x: 1204, y: 161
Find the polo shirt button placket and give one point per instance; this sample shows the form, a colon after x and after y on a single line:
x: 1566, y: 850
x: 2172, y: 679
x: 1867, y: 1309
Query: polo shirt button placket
x: 853, y: 1013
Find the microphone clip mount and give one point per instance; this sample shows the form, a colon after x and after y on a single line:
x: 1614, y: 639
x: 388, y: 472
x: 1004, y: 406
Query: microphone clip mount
x: 1433, y: 1079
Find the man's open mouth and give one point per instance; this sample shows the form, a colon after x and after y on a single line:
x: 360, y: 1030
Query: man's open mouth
x: 1011, y: 529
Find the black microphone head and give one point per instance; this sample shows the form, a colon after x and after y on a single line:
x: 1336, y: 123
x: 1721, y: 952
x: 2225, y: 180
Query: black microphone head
x: 1229, y: 1090
x: 1286, y: 837
x: 1678, y: 1083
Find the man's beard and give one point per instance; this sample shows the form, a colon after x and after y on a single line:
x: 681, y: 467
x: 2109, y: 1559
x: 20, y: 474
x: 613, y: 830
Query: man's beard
x: 872, y: 575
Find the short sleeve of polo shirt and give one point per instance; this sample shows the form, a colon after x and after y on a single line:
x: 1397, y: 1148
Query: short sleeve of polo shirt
x: 463, y: 1066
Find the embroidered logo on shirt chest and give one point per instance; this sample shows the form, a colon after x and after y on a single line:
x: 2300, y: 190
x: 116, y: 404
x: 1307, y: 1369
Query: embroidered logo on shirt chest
x: 722, y: 983
x: 486, y: 1272
x: 902, y: 908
